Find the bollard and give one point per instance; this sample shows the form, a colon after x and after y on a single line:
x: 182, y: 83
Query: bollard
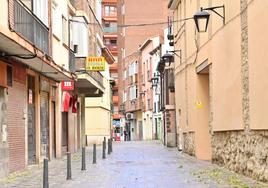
x: 103, y: 150
x: 104, y: 139
x: 69, y: 169
x: 94, y: 154
x: 109, y: 147
x: 45, y: 174
x: 83, y: 158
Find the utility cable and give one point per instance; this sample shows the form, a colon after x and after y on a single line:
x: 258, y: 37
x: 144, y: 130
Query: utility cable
x: 141, y: 24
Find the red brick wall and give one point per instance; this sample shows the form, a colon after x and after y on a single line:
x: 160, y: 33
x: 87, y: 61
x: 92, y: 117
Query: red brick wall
x: 16, y: 105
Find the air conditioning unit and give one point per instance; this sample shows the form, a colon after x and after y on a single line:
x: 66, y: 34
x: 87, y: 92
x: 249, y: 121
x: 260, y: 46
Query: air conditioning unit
x: 130, y: 116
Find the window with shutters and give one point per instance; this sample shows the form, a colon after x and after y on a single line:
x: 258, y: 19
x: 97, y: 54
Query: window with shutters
x: 64, y: 30
x: 56, y: 21
x: 133, y: 92
x: 40, y: 9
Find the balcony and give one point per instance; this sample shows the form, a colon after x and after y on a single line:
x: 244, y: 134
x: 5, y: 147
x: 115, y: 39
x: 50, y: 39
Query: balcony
x: 114, y: 67
x: 97, y: 76
x: 30, y: 27
x: 115, y: 99
x: 110, y: 29
x: 71, y: 61
x: 112, y: 47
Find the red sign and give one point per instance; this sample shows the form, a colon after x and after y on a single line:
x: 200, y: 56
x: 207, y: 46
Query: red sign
x: 67, y: 85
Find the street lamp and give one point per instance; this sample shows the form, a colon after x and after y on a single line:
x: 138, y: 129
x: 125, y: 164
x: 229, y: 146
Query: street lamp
x: 201, y: 18
x: 168, y: 59
x: 155, y: 80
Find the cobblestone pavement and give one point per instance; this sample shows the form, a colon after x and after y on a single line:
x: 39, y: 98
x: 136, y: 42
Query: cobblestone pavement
x: 133, y: 164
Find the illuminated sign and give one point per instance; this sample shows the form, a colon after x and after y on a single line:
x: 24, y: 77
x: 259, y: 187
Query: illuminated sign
x: 67, y: 85
x: 95, y: 64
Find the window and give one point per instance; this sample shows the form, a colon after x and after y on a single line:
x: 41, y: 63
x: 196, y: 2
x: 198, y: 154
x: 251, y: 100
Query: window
x: 133, y: 92
x: 113, y: 41
x: 123, y: 9
x: 148, y: 103
x: 148, y: 75
x: 124, y: 96
x: 114, y: 75
x: 110, y: 11
x: 40, y: 9
x: 56, y: 21
x: 9, y: 76
x: 125, y: 74
x: 133, y: 68
x: 64, y: 30
x: 115, y: 109
x: 123, y: 52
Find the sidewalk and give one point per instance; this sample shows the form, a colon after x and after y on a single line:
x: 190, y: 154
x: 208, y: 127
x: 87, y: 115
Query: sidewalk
x: 133, y: 164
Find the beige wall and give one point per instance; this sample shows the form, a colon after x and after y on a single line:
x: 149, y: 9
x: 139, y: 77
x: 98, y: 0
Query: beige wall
x: 147, y: 125
x: 98, y: 115
x: 60, y: 53
x: 258, y: 44
x: 220, y: 91
x: 97, y: 124
x: 4, y: 13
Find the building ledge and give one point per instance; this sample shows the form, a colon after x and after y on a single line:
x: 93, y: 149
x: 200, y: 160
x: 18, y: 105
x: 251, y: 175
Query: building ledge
x: 88, y: 86
x: 14, y: 44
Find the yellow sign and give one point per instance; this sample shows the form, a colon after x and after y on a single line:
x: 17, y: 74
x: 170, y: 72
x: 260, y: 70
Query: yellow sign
x: 95, y: 64
x: 199, y: 105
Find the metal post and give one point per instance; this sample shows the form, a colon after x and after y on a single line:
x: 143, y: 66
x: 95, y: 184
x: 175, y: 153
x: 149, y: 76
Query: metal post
x: 83, y: 158
x: 104, y: 139
x: 103, y: 150
x: 45, y: 174
x: 109, y: 147
x: 94, y: 154
x: 69, y: 170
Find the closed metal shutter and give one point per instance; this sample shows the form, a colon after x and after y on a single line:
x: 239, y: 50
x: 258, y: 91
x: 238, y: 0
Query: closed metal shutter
x: 44, y: 122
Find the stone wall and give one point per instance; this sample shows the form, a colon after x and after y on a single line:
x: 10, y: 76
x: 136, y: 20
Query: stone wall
x: 242, y: 152
x: 189, y: 143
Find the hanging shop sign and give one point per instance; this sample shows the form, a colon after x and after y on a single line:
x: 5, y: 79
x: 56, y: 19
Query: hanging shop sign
x: 95, y: 64
x: 67, y: 85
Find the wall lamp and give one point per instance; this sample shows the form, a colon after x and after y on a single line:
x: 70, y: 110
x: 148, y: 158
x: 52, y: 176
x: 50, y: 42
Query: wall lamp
x: 155, y: 79
x: 169, y: 58
x: 201, y: 18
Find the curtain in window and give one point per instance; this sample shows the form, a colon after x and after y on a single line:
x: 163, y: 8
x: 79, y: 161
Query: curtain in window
x: 40, y: 9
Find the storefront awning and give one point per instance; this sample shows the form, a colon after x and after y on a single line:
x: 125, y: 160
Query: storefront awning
x: 40, y: 62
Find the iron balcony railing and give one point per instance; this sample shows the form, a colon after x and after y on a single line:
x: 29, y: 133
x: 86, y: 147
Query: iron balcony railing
x: 72, y: 67
x: 110, y: 29
x: 30, y: 27
x: 96, y: 76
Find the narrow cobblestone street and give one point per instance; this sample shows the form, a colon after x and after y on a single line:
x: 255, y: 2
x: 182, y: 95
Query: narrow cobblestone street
x: 132, y: 164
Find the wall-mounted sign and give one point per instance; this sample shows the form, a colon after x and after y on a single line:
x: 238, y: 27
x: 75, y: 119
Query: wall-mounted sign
x: 67, y: 85
x: 199, y: 105
x: 95, y: 64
